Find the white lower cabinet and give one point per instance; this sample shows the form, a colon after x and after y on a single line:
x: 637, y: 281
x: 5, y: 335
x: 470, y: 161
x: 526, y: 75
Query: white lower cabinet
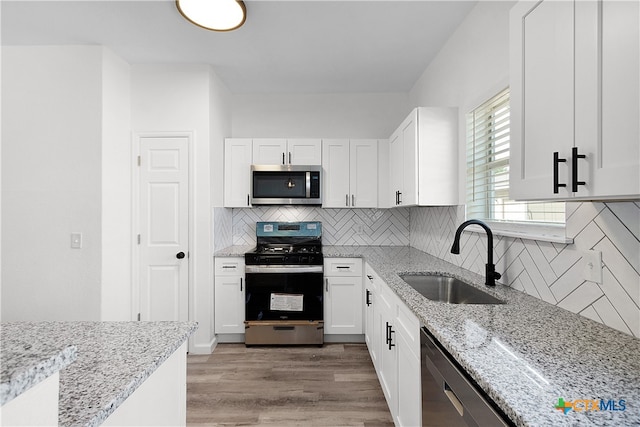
x: 394, y: 346
x: 343, y: 296
x: 229, y: 295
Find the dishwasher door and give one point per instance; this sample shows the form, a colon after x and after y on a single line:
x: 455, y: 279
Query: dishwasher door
x: 449, y: 399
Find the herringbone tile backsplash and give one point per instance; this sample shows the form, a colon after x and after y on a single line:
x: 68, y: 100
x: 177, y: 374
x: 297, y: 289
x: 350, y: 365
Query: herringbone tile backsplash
x: 549, y: 271
x: 377, y: 227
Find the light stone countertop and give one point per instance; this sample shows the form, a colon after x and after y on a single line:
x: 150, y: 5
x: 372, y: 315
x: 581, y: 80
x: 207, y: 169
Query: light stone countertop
x: 113, y: 359
x: 525, y: 354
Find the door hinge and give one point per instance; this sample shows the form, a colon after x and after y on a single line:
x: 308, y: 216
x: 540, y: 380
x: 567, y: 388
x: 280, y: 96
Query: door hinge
x: 138, y: 239
x: 138, y: 317
x: 139, y: 161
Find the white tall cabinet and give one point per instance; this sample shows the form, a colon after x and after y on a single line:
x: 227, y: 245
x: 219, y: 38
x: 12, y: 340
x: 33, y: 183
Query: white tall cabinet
x: 350, y: 173
x: 575, y: 100
x: 423, y: 159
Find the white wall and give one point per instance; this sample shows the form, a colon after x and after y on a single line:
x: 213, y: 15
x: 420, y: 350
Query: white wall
x: 117, y: 233
x: 174, y: 99
x: 51, y: 182
x: 371, y: 115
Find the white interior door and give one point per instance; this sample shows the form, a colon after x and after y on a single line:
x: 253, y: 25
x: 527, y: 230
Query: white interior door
x: 164, y: 228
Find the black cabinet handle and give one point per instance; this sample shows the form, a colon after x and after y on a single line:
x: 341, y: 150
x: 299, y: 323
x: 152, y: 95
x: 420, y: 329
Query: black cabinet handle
x: 368, y: 299
x: 387, y: 332
x: 369, y: 277
x: 289, y: 157
x: 399, y: 197
x: 247, y: 200
x: 283, y: 158
x: 556, y: 184
x: 574, y: 169
x: 389, y: 339
x: 346, y: 200
x: 241, y: 284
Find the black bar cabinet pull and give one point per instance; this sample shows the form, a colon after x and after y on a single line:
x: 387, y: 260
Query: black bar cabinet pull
x: 556, y: 184
x: 241, y: 284
x: 574, y: 169
x: 389, y: 332
x: 399, y: 197
x: 283, y: 158
x: 368, y: 297
x: 247, y: 200
x: 289, y: 157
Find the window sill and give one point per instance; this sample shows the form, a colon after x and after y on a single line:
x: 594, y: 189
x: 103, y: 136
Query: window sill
x: 540, y: 232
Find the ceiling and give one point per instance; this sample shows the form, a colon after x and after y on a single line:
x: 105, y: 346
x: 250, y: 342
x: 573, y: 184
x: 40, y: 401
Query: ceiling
x: 298, y: 46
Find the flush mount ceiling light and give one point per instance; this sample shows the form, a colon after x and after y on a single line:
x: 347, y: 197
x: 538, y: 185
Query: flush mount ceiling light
x: 216, y: 15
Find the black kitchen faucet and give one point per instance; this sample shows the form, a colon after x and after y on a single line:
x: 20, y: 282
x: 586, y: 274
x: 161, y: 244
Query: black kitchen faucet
x: 490, y: 270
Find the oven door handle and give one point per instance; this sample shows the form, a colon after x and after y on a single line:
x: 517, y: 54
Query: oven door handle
x: 283, y: 269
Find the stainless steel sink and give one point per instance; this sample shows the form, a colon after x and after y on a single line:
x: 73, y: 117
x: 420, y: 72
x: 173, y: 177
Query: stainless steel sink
x: 448, y: 289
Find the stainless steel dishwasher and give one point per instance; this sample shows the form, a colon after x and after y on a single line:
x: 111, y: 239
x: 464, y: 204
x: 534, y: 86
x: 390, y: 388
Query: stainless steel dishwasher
x: 449, y: 398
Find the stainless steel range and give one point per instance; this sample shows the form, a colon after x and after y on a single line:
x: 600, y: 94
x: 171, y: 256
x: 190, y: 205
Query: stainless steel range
x: 284, y: 285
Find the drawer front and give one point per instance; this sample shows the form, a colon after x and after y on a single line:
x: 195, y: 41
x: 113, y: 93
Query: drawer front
x: 343, y: 267
x: 225, y: 266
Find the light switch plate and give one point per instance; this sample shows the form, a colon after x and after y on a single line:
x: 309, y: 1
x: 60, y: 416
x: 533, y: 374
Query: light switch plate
x: 76, y: 240
x: 592, y: 266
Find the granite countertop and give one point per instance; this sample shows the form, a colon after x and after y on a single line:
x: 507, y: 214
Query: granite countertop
x: 113, y: 359
x: 26, y: 362
x: 525, y: 354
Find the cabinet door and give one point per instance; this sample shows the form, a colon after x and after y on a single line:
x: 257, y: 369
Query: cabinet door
x: 409, y: 411
x: 269, y: 151
x: 369, y: 321
x: 363, y: 174
x: 616, y: 168
x: 304, y: 151
x: 387, y: 357
x: 229, y: 304
x: 335, y: 162
x: 343, y: 305
x: 396, y: 176
x: 542, y: 97
x: 237, y: 172
x: 409, y: 131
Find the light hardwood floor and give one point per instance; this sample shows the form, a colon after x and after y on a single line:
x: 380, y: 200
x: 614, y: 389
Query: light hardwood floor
x: 335, y: 385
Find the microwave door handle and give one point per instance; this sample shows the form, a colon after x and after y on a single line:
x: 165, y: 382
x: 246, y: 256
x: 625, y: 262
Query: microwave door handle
x: 308, y: 184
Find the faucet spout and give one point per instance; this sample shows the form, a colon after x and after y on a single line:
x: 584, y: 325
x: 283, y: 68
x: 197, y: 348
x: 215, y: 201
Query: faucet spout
x: 490, y: 270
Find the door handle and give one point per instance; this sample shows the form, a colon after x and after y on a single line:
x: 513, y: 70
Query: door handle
x: 556, y: 160
x: 180, y: 255
x: 574, y: 169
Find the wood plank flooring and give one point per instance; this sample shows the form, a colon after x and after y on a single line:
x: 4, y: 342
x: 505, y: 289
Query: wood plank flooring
x: 335, y: 385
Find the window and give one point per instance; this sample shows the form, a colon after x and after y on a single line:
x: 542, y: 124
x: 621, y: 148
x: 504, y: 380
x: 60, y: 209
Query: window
x: 488, y: 170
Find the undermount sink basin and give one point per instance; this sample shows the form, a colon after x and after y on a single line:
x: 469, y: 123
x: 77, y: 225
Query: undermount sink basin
x: 448, y: 289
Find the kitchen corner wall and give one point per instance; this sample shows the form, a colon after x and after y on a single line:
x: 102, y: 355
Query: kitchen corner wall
x: 550, y: 271
x: 377, y: 227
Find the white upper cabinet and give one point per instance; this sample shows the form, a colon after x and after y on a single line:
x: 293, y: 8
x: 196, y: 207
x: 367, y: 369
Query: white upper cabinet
x: 575, y: 103
x: 274, y: 151
x: 423, y: 159
x: 350, y: 173
x: 237, y: 172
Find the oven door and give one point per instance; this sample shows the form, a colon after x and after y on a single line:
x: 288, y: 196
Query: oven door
x: 284, y: 293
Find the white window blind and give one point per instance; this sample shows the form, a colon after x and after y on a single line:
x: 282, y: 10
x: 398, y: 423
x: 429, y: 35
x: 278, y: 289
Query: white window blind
x: 488, y: 170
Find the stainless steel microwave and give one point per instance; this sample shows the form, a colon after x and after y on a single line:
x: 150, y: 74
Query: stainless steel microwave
x: 286, y: 185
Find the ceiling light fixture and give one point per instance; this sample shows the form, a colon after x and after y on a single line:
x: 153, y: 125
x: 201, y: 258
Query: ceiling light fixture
x: 216, y: 15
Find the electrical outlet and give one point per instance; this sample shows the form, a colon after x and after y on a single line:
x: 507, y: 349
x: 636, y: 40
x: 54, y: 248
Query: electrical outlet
x: 592, y: 266
x: 76, y: 240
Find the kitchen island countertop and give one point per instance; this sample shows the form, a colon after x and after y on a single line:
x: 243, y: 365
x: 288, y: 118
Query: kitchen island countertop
x: 113, y: 360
